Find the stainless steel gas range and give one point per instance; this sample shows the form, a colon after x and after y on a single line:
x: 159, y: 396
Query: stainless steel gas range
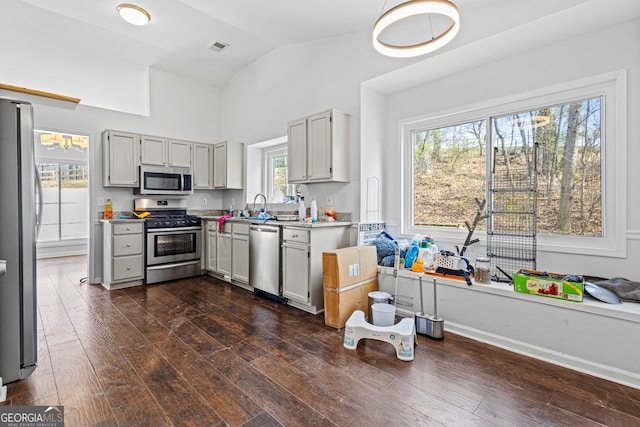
x: 173, y: 239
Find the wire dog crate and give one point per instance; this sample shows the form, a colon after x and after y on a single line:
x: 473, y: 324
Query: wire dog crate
x: 511, y: 222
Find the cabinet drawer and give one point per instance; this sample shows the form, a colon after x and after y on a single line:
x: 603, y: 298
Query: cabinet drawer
x: 128, y: 228
x: 128, y: 267
x: 127, y: 244
x: 226, y: 227
x: 240, y: 228
x: 212, y: 225
x: 295, y: 235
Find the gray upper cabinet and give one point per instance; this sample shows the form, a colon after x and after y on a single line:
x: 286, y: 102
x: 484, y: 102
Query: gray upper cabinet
x: 120, y: 159
x: 228, y: 165
x: 153, y: 150
x: 124, y: 152
x: 179, y: 154
x: 165, y: 152
x: 318, y: 148
x: 202, y: 166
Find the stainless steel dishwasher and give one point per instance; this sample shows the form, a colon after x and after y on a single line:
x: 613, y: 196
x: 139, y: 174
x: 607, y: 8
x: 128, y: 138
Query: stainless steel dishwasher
x: 264, y: 261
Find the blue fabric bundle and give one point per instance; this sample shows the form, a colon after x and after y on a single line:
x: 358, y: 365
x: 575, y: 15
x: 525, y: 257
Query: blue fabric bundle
x: 386, y: 249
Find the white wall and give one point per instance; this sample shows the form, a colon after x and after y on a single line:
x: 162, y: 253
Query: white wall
x: 570, y: 59
x: 298, y: 81
x: 179, y: 108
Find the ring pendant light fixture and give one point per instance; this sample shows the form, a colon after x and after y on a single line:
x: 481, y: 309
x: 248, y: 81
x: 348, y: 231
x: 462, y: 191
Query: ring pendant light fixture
x: 413, y: 8
x: 133, y: 14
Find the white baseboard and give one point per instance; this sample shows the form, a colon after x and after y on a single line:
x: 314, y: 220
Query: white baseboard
x: 609, y: 373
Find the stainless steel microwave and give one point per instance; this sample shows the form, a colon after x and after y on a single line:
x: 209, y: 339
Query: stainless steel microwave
x: 165, y: 180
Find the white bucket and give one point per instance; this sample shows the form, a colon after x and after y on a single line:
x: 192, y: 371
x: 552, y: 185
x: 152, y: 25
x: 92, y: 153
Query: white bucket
x: 384, y: 314
x: 376, y: 297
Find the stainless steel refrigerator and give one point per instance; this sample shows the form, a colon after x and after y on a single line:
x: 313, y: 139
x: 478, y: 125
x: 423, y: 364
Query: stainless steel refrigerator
x: 19, y: 189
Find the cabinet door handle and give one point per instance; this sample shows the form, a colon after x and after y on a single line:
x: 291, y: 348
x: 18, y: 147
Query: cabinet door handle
x: 128, y: 268
x: 128, y: 245
x: 128, y: 229
x: 294, y: 236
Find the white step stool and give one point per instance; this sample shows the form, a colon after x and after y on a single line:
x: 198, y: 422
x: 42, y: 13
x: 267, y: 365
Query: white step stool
x: 401, y: 335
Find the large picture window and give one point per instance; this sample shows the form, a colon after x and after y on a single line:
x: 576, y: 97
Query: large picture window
x: 448, y: 163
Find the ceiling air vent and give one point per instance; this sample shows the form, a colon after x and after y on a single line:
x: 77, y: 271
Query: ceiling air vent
x: 218, y: 46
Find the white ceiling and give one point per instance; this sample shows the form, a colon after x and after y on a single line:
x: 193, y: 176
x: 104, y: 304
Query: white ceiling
x: 180, y: 32
x: 78, y: 32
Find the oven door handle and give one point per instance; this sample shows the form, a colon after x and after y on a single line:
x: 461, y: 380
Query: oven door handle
x: 172, y: 265
x: 173, y: 230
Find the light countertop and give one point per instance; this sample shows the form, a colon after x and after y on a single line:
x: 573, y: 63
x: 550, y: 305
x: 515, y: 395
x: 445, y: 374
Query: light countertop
x: 117, y: 220
x: 300, y: 224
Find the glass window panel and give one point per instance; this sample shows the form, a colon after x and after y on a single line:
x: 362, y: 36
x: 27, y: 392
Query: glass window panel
x: 277, y: 188
x: 74, y: 199
x: 449, y: 166
x: 50, y: 224
x: 569, y: 162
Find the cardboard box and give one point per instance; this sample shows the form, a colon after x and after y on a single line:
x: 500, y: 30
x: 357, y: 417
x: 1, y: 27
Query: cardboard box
x: 548, y: 285
x: 349, y: 274
x: 339, y: 306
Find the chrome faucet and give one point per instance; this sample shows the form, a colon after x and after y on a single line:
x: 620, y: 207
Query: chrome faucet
x: 264, y: 203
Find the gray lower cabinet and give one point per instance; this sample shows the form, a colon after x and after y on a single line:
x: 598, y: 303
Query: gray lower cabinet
x: 123, y: 256
x: 212, y: 257
x: 223, y: 251
x: 240, y: 252
x: 302, y: 263
x: 228, y: 251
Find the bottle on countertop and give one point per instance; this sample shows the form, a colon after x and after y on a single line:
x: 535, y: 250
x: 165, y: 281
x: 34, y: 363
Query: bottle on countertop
x: 302, y: 210
x: 108, y: 209
x: 314, y: 210
x: 231, y: 210
x: 412, y: 254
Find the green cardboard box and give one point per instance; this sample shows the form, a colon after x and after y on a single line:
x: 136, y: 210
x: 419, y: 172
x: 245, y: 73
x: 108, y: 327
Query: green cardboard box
x: 547, y: 285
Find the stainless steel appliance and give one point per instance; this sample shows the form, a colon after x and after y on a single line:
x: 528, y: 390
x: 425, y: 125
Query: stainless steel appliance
x: 173, y: 240
x: 165, y: 180
x: 19, y: 219
x: 264, y: 261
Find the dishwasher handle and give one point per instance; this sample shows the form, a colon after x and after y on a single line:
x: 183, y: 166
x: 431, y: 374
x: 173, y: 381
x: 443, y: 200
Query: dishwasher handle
x: 264, y: 228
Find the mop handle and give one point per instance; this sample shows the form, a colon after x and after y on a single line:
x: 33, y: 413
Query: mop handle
x: 421, y: 303
x: 435, y: 300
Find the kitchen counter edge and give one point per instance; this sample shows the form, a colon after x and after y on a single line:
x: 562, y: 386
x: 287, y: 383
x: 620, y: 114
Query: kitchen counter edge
x: 117, y: 220
x: 299, y: 224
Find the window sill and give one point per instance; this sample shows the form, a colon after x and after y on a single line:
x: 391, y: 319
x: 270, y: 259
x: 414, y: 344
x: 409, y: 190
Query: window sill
x: 628, y: 311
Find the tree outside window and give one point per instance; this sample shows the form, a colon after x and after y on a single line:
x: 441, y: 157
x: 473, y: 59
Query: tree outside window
x: 450, y: 166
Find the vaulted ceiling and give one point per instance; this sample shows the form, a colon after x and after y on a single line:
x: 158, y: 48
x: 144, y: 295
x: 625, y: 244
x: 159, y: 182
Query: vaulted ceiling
x: 54, y: 39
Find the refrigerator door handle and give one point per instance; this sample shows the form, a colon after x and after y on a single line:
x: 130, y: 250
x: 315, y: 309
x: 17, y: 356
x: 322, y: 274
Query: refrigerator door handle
x: 3, y: 269
x: 39, y: 201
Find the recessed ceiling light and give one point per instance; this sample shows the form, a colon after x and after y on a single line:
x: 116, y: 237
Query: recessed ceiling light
x: 133, y: 14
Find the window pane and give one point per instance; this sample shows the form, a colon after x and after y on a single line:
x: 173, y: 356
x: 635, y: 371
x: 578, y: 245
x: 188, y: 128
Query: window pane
x: 449, y: 174
x: 277, y: 189
x: 279, y: 168
x: 49, y: 229
x: 569, y: 162
x: 74, y: 198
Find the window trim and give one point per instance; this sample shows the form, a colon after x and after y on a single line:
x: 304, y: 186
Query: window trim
x: 612, y: 87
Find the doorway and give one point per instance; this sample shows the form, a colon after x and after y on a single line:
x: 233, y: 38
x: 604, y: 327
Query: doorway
x: 62, y: 160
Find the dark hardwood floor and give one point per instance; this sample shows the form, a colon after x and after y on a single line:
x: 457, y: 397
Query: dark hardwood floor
x: 201, y: 352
